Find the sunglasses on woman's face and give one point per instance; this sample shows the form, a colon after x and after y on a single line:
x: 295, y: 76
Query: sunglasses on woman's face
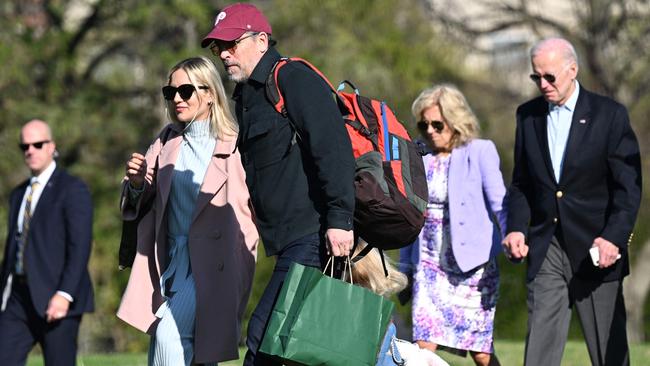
x: 185, y: 91
x: 37, y: 145
x: 423, y: 125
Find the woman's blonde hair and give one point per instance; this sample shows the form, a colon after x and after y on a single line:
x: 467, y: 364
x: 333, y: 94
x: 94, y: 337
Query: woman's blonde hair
x: 369, y: 273
x: 202, y: 72
x: 454, y: 109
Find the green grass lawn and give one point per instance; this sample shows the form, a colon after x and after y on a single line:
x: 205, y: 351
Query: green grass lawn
x: 509, y: 353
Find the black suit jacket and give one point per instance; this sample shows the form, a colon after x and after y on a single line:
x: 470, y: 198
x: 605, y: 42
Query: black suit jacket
x: 60, y: 236
x: 599, y: 191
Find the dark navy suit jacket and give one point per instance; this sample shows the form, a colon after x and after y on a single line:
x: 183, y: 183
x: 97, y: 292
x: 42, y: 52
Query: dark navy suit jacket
x: 599, y: 191
x: 60, y: 236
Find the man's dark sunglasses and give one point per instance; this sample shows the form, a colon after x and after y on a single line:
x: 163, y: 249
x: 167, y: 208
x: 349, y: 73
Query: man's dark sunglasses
x: 219, y: 46
x: 185, y: 91
x: 437, y: 125
x: 537, y: 78
x: 38, y: 145
x: 548, y: 77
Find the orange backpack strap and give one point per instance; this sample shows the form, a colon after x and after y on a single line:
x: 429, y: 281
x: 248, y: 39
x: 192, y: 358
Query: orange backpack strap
x: 273, y: 88
x: 346, y: 101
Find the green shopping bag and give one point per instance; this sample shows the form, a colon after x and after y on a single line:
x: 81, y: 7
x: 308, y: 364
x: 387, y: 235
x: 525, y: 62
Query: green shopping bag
x: 320, y: 320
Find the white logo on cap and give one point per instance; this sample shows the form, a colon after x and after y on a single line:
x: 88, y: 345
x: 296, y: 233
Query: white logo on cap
x: 219, y: 17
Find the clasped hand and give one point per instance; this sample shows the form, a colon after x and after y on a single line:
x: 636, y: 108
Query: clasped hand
x: 137, y: 171
x: 514, y: 245
x: 339, y: 242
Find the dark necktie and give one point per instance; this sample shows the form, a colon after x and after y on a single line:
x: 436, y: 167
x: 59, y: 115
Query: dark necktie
x: 27, y: 216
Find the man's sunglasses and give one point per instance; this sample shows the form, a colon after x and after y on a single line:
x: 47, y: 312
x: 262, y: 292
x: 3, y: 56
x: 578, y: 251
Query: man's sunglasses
x: 423, y: 125
x: 37, y: 145
x: 550, y: 78
x: 185, y: 91
x: 219, y: 46
x: 538, y: 78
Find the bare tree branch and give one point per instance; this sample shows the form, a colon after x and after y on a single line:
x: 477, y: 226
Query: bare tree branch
x: 55, y: 19
x: 89, y: 23
x: 102, y: 56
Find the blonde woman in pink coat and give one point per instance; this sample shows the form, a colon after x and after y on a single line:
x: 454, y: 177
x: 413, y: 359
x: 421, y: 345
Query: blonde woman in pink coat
x: 194, y: 267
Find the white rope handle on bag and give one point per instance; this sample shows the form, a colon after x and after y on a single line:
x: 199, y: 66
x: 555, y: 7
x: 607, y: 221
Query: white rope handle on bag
x: 327, y: 265
x: 348, y: 266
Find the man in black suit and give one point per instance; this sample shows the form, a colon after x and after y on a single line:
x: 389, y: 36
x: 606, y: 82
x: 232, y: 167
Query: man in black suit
x: 44, y: 276
x: 576, y: 185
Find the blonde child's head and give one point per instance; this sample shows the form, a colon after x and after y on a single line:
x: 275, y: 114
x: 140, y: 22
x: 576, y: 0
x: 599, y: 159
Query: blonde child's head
x: 369, y: 273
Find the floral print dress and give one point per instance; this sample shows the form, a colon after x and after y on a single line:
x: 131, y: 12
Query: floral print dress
x: 450, y: 308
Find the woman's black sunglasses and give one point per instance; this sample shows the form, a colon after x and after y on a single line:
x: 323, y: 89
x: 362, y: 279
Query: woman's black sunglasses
x: 185, y: 91
x: 437, y: 125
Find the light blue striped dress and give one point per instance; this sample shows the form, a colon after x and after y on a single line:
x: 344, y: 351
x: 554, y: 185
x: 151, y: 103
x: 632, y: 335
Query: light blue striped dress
x: 173, y: 343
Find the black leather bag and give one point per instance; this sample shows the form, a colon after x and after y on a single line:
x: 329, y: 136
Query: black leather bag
x: 129, y: 240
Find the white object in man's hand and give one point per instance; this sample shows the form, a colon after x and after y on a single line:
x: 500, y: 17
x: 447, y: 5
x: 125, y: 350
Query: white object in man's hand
x: 595, y: 256
x: 608, y: 253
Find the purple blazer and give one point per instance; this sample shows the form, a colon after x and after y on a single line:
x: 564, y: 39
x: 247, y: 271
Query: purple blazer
x: 476, y: 210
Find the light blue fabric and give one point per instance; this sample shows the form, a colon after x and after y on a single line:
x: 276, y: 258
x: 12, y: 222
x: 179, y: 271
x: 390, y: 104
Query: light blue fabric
x: 557, y: 128
x: 192, y: 162
x: 173, y: 343
x: 386, y: 357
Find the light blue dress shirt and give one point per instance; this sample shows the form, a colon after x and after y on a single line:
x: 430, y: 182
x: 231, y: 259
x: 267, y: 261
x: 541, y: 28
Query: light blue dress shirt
x: 558, y: 124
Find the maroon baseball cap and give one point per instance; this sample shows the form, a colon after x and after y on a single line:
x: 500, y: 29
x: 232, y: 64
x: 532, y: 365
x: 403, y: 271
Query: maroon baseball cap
x: 235, y: 20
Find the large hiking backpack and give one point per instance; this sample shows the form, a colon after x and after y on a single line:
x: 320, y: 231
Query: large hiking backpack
x: 390, y: 183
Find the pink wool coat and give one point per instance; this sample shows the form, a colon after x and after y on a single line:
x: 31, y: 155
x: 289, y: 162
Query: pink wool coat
x: 222, y: 243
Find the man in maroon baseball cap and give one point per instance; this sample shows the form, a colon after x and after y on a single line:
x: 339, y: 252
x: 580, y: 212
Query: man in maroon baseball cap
x: 302, y: 194
x: 235, y: 24
x: 235, y: 20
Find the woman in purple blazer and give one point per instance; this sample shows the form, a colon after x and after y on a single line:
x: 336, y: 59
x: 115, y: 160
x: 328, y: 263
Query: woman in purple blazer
x: 453, y: 264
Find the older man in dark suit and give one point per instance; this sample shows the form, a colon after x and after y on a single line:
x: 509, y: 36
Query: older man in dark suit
x: 576, y: 188
x: 44, y: 276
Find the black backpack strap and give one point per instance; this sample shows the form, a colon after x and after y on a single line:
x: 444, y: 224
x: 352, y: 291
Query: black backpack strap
x: 362, y: 254
x: 367, y: 250
x: 364, y: 131
x: 383, y: 261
